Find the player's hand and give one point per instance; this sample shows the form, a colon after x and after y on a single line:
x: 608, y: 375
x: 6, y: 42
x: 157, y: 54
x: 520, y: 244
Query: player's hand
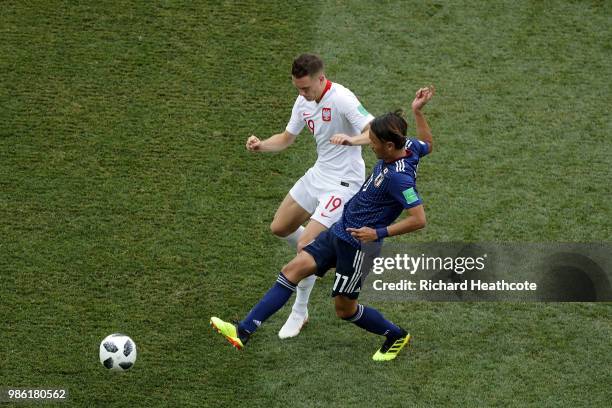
x: 423, y: 95
x: 341, y: 139
x: 253, y: 143
x: 363, y: 234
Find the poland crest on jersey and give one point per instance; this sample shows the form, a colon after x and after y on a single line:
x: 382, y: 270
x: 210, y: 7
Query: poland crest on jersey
x: 326, y: 114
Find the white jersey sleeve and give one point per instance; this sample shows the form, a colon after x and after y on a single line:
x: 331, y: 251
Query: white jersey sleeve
x: 353, y: 110
x: 296, y: 123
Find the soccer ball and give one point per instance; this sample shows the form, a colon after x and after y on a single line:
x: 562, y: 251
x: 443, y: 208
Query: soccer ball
x: 118, y: 352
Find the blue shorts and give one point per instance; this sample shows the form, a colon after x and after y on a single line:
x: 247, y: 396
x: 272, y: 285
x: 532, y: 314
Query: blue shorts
x: 352, y: 264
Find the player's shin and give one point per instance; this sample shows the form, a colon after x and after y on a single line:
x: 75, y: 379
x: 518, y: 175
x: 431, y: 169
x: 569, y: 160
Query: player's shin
x: 373, y: 321
x: 269, y: 304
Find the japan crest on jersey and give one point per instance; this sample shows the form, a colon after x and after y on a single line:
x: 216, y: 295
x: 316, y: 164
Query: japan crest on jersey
x: 326, y: 114
x: 379, y: 179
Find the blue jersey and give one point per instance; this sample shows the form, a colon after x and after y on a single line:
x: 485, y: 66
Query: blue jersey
x: 390, y: 189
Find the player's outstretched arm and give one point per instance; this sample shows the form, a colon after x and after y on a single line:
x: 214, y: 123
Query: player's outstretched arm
x: 274, y: 143
x: 362, y: 139
x: 414, y: 221
x: 423, y: 130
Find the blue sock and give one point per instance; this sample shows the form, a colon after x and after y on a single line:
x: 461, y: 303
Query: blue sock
x: 373, y: 321
x: 269, y: 304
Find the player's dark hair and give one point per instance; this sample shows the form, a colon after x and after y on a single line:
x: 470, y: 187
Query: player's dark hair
x: 306, y: 64
x: 391, y: 127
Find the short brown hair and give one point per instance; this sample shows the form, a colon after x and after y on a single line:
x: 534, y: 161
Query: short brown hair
x: 306, y: 64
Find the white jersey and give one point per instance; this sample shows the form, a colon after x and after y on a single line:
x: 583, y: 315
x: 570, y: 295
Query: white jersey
x: 339, y: 111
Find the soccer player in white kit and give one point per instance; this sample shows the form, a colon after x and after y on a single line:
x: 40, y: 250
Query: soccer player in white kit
x: 325, y: 109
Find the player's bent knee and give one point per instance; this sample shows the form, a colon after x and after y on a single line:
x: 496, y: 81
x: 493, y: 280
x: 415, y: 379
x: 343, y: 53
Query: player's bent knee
x: 301, y: 266
x: 345, y: 309
x: 344, y: 313
x: 279, y: 229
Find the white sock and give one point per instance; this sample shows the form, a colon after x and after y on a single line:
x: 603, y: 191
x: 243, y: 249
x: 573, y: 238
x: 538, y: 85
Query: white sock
x: 293, y: 238
x: 302, y: 294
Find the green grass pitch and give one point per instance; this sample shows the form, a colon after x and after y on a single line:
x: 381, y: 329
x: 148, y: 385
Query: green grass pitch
x: 128, y: 202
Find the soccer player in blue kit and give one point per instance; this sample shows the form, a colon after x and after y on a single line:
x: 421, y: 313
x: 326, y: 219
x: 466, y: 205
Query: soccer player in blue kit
x: 367, y: 217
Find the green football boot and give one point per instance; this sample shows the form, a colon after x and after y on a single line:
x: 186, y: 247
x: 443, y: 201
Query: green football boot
x: 229, y: 331
x: 392, y: 346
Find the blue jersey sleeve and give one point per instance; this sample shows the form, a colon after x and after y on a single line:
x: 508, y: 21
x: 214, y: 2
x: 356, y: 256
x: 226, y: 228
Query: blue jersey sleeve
x: 403, y: 189
x: 419, y: 147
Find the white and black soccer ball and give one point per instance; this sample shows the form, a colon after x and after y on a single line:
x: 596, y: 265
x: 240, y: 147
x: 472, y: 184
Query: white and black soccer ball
x: 118, y: 352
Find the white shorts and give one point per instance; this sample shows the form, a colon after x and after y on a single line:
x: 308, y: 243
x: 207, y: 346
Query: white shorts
x: 323, y: 199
